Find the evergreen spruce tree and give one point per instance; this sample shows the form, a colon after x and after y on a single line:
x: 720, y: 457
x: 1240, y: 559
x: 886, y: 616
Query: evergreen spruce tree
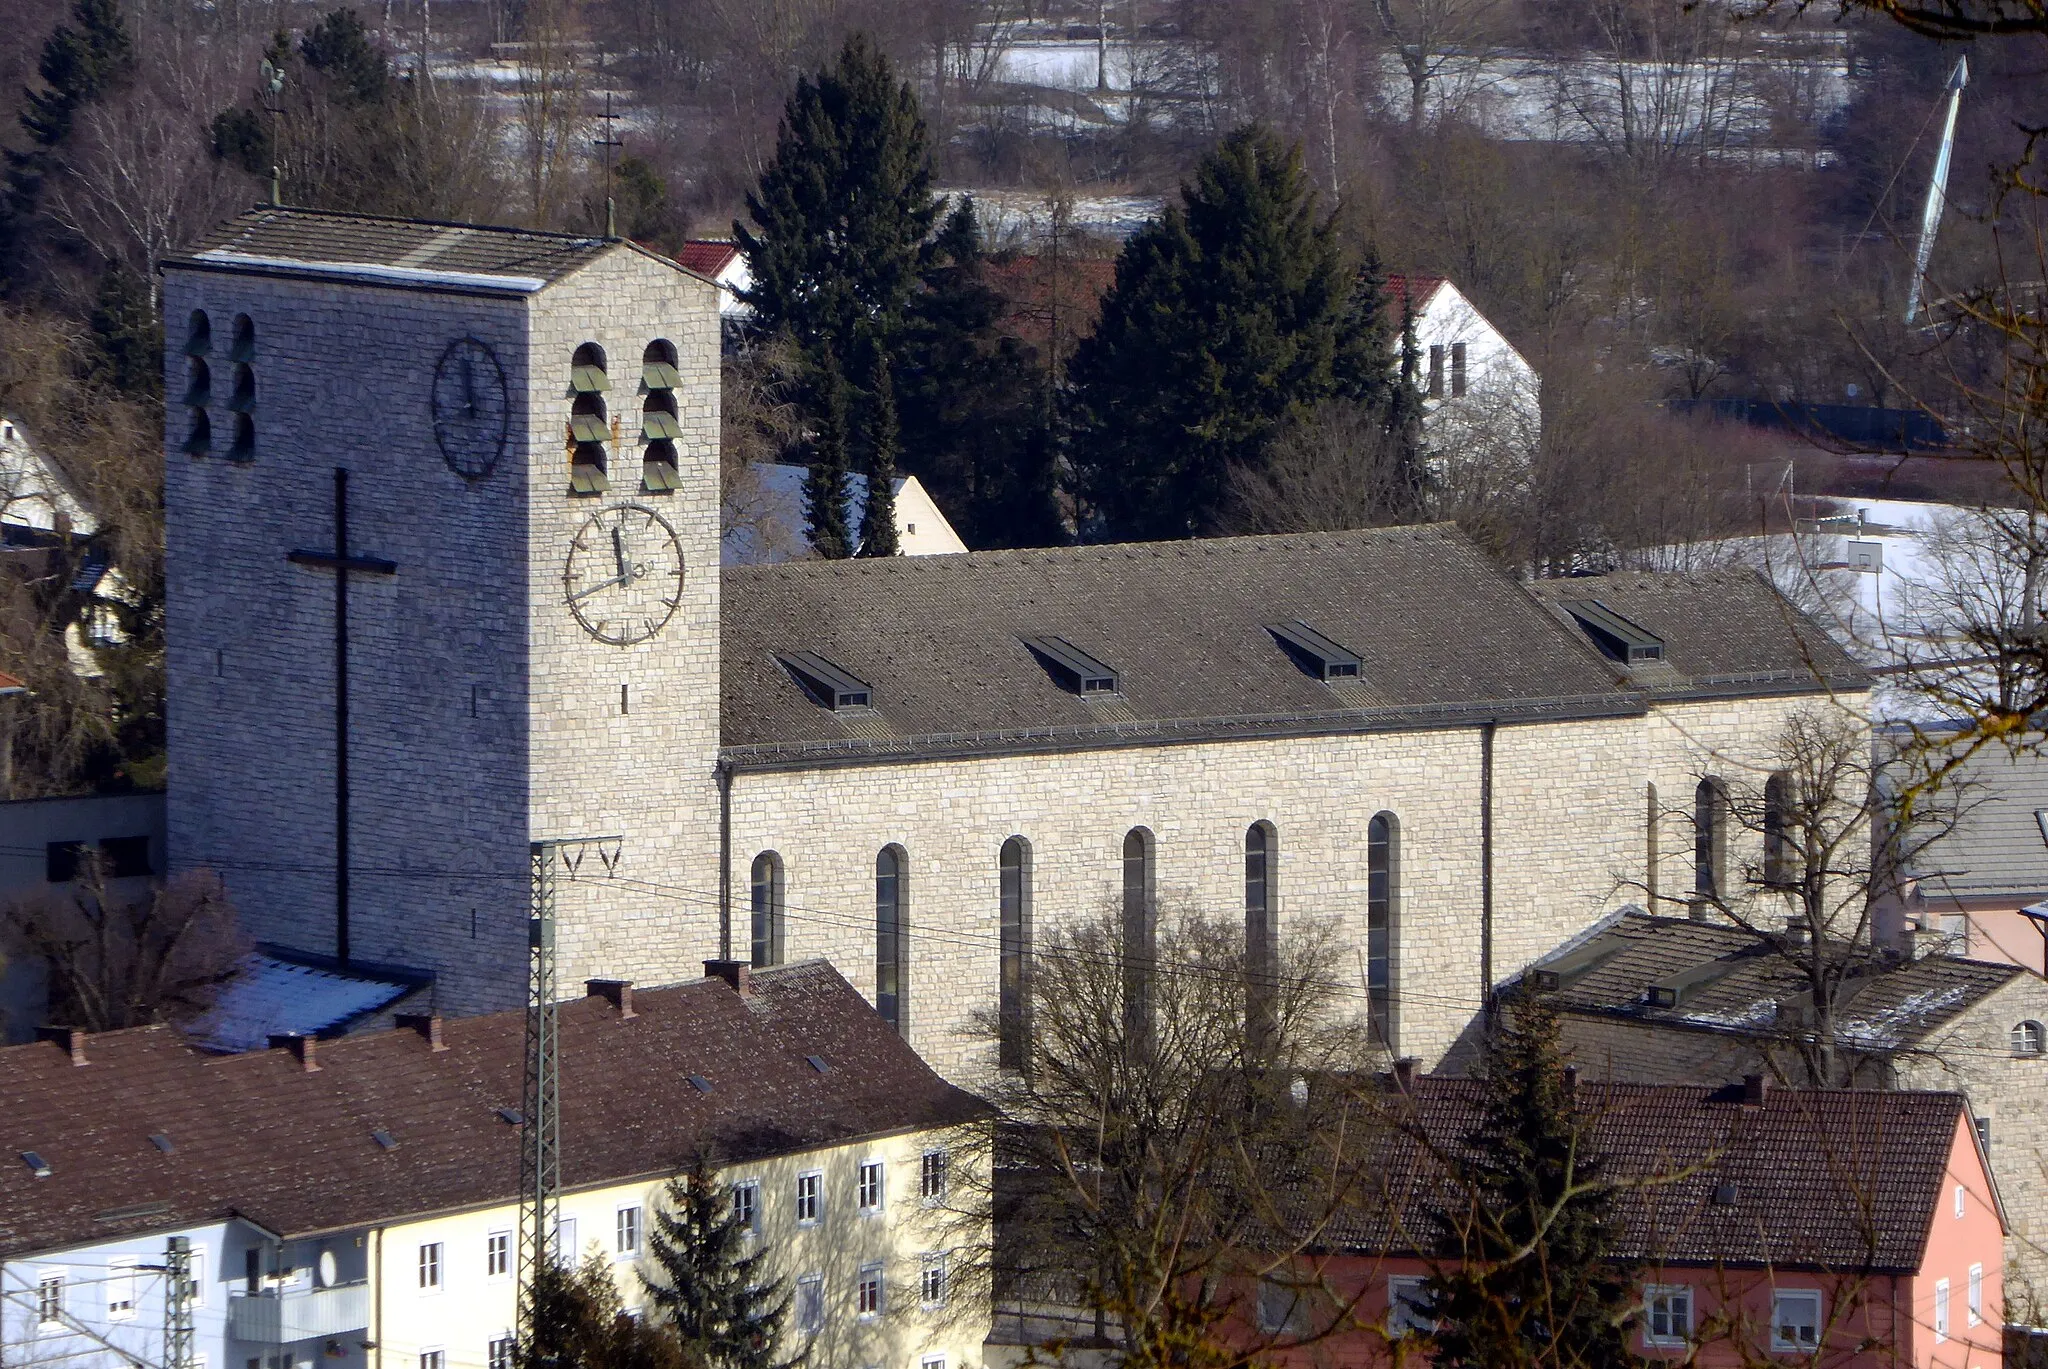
x: 81, y: 62
x: 578, y: 1323
x: 878, y: 514
x: 1226, y: 319
x: 826, y: 488
x: 127, y: 336
x: 1528, y: 1237
x: 714, y: 1294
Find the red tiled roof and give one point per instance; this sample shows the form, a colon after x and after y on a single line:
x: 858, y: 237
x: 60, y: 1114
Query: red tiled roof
x: 292, y: 1150
x: 1400, y: 286
x: 8, y: 684
x: 707, y: 256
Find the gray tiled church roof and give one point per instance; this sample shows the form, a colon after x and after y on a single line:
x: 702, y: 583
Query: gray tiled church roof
x: 1995, y: 849
x: 1442, y: 637
x: 282, y: 234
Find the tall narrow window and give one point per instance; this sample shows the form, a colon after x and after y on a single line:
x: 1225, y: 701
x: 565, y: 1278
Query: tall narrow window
x: 1777, y: 812
x: 243, y: 345
x: 588, y: 429
x: 1650, y: 843
x: 1710, y: 841
x: 1141, y: 937
x: 892, y: 934
x: 1261, y: 929
x: 1382, y: 900
x: 1013, y: 974
x: 768, y: 917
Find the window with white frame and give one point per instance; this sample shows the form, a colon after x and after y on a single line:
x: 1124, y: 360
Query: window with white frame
x: 198, y: 1268
x: 1795, y: 1319
x: 931, y: 1176
x: 810, y: 1303
x: 430, y: 1265
x: 433, y: 1359
x: 809, y: 1190
x: 932, y: 1362
x: 627, y: 1237
x: 1408, y: 1305
x: 1940, y: 1310
x: 867, y: 1292
x: 501, y: 1353
x: 50, y: 1302
x: 498, y: 1255
x: 562, y: 1245
x: 1976, y: 1294
x: 931, y: 1279
x: 1959, y: 1200
x: 1667, y: 1314
x: 871, y: 1186
x: 121, y: 1288
x: 746, y: 1206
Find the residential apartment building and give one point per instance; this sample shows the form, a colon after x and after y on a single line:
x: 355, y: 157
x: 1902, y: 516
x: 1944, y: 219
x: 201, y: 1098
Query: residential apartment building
x: 353, y: 1203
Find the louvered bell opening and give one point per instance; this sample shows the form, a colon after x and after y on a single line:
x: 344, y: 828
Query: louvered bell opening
x: 660, y: 375
x: 244, y: 398
x: 658, y: 468
x: 589, y: 428
x: 588, y: 380
x: 658, y: 426
x: 244, y: 446
x: 587, y: 476
x: 199, y: 441
x: 199, y: 393
x: 243, y: 348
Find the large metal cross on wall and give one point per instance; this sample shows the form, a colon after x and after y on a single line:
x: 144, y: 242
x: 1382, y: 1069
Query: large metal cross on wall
x: 341, y: 562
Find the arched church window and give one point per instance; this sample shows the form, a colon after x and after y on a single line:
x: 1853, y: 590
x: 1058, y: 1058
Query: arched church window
x: 1777, y: 841
x: 1141, y: 936
x: 658, y: 370
x: 1261, y: 927
x: 768, y: 912
x: 198, y: 334
x: 1013, y: 975
x: 198, y: 383
x: 2027, y: 1039
x: 244, y: 445
x: 243, y: 400
x: 660, y: 427
x: 588, y: 433
x: 892, y: 939
x: 199, y: 433
x: 1382, y: 924
x: 243, y: 348
x: 586, y: 370
x: 1709, y: 842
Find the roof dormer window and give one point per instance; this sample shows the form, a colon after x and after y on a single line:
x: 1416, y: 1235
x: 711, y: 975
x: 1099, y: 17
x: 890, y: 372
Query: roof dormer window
x: 827, y: 684
x: 1315, y: 653
x: 1617, y: 637
x: 1075, y: 669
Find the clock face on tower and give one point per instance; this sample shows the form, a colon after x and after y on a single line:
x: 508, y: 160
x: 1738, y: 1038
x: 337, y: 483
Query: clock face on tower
x: 624, y: 577
x: 471, y: 413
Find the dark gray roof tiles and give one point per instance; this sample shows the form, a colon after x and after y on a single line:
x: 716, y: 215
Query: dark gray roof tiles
x: 1996, y: 849
x: 1442, y: 635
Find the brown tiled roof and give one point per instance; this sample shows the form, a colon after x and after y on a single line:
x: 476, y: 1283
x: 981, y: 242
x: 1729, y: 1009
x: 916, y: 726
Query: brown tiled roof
x: 292, y: 1150
x: 1887, y: 1004
x: 8, y: 684
x: 1836, y: 1179
x: 707, y: 256
x: 1724, y: 631
x: 281, y: 233
x: 1444, y: 638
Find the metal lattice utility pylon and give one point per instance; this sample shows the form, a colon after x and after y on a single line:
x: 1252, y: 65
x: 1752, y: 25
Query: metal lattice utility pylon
x: 179, y: 1292
x: 540, y: 1152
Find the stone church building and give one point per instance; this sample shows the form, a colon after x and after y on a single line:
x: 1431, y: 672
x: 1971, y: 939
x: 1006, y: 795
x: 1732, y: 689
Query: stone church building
x: 443, y: 531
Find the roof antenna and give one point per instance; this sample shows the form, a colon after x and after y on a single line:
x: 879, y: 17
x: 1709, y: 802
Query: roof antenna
x: 273, y: 84
x: 608, y: 142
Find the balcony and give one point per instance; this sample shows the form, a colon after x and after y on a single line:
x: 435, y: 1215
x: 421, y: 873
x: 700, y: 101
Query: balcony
x: 279, y: 1318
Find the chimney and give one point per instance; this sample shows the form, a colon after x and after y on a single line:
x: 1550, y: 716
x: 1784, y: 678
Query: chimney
x: 1404, y: 1073
x: 1571, y: 1081
x: 617, y: 992
x: 734, y: 972
x: 72, y: 1039
x: 428, y: 1025
x: 1795, y: 930
x: 302, y: 1047
x: 1755, y: 1089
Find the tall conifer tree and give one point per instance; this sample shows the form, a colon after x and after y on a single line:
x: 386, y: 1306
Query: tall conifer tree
x: 826, y: 488
x: 82, y: 61
x: 878, y: 514
x: 715, y: 1294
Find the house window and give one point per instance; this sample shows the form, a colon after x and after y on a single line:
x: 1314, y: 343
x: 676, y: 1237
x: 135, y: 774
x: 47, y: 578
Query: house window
x: 932, y: 1362
x: 563, y: 1246
x: 121, y: 1288
x: 1279, y: 1307
x: 1013, y: 973
x: 1667, y: 1319
x: 931, y: 1176
x: 1959, y: 1202
x: 1940, y: 1310
x: 501, y: 1352
x: 628, y: 1242
x: 867, y: 1292
x: 768, y: 915
x: 1777, y: 814
x: 1795, y: 1319
x: 808, y: 1187
x: 871, y: 1186
x: 1382, y: 910
x: 1457, y: 370
x: 931, y: 1280
x: 746, y: 1207
x: 430, y: 1265
x: 892, y: 936
x: 2027, y: 1038
x: 1984, y: 1134
x: 1408, y: 1305
x: 1436, y: 372
x: 1141, y: 936
x: 433, y: 1359
x: 810, y: 1303
x: 1975, y: 1308
x: 1261, y: 928
x: 1710, y: 839
x: 498, y: 1254
x: 50, y: 1302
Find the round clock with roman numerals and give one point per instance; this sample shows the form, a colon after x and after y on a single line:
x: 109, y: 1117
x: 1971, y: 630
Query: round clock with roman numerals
x: 624, y: 577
